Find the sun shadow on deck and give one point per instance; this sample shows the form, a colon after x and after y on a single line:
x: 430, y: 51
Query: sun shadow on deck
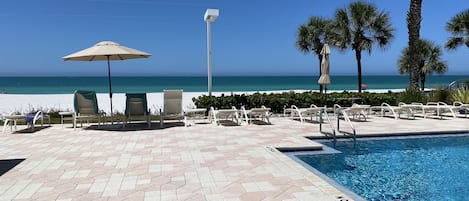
x: 227, y: 123
x: 260, y: 123
x: 134, y: 126
x: 29, y: 131
x: 8, y: 164
x: 309, y: 121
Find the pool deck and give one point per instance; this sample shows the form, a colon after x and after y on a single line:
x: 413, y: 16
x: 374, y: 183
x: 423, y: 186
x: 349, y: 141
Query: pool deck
x: 202, y: 162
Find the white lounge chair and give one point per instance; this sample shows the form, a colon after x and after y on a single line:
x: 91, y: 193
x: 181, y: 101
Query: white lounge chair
x: 172, y: 105
x: 437, y: 109
x: 394, y: 110
x: 302, y: 113
x: 194, y: 114
x: 11, y: 120
x: 262, y: 113
x: 413, y: 109
x: 357, y: 111
x: 31, y: 119
x: 460, y: 108
x: 217, y: 115
x: 287, y: 111
x: 409, y: 109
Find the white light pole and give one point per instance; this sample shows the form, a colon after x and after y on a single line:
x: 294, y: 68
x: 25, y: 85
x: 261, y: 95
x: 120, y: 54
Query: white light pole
x: 210, y: 16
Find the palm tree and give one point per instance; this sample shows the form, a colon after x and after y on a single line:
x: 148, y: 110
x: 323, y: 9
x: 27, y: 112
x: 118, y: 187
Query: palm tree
x: 429, y: 60
x: 360, y: 26
x: 312, y: 37
x: 458, y: 26
x: 414, y: 17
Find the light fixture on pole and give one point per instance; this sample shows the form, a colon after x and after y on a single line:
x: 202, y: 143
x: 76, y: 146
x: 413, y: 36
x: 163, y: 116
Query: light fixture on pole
x: 210, y: 16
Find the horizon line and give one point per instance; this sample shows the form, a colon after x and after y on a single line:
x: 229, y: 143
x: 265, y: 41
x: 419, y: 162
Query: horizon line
x: 221, y: 75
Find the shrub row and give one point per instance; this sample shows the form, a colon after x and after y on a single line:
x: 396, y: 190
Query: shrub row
x: 277, y: 101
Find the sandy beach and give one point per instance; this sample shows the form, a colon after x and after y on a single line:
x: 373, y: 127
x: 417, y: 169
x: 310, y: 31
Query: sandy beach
x: 64, y: 102
x: 24, y: 103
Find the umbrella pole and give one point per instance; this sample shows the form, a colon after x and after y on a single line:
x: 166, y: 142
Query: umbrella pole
x: 324, y: 97
x: 110, y: 86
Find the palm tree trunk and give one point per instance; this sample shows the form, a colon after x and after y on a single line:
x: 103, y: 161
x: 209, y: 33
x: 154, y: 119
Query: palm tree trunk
x: 320, y: 72
x: 358, y: 56
x: 422, y: 80
x: 422, y: 74
x: 414, y: 18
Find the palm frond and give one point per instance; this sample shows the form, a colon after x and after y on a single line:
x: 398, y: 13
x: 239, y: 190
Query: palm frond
x: 340, y: 35
x: 429, y: 54
x: 313, y: 35
x: 359, y: 26
x: 458, y: 26
x: 453, y: 42
x: 403, y: 62
x: 302, y: 41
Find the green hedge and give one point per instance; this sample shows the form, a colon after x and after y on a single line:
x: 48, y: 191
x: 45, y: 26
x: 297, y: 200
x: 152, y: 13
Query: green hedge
x: 277, y: 101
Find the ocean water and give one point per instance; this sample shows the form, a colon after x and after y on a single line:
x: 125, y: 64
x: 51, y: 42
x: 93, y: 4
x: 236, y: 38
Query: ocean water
x: 67, y: 85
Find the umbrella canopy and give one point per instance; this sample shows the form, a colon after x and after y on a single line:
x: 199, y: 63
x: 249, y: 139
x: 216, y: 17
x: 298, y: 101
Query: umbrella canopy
x: 325, y: 79
x: 107, y: 50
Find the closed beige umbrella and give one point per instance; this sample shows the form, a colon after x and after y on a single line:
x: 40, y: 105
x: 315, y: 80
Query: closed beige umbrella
x: 107, y: 50
x: 325, y: 79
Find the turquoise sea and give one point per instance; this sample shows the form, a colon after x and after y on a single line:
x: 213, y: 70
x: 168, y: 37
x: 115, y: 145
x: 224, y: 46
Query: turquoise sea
x: 67, y: 85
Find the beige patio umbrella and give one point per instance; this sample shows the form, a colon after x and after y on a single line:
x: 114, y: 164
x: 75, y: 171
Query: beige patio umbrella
x: 325, y: 79
x: 107, y: 50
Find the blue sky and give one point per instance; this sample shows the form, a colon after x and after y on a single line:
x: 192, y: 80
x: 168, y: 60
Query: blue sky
x: 250, y: 37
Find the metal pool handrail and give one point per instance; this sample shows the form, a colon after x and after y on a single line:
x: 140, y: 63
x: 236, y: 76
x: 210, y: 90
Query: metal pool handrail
x: 339, y: 111
x: 324, y: 111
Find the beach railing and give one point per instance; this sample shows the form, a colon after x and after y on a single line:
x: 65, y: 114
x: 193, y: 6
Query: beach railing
x: 458, y: 84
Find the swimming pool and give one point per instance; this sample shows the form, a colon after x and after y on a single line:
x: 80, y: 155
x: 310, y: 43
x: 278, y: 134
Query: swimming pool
x: 415, y: 168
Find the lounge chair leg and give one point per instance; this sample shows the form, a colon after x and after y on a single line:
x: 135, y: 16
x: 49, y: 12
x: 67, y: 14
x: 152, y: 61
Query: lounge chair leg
x: 149, y: 120
x: 185, y: 121
x: 74, y: 123
x: 5, y: 125
x: 161, y: 119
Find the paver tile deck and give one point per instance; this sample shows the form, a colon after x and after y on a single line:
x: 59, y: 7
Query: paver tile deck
x: 202, y: 162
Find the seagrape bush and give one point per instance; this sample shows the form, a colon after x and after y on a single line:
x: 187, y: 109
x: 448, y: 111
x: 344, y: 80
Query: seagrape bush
x: 412, y: 95
x: 441, y: 95
x: 278, y: 101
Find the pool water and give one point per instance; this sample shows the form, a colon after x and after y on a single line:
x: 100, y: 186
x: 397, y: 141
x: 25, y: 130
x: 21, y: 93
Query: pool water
x: 430, y: 168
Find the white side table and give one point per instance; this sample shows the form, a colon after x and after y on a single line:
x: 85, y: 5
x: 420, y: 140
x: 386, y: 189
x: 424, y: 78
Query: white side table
x: 66, y: 116
x: 194, y: 114
x: 12, y: 119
